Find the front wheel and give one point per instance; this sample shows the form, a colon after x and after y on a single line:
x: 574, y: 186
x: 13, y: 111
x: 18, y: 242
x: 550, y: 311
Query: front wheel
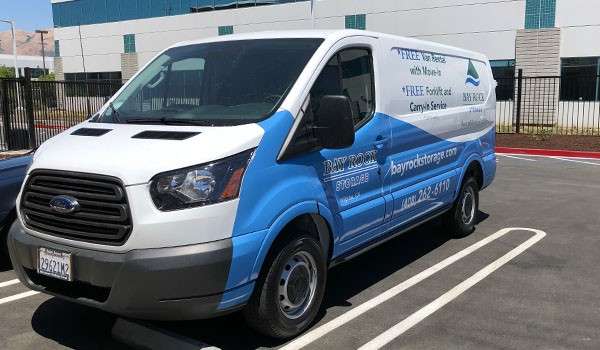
x: 288, y: 296
x: 461, y: 219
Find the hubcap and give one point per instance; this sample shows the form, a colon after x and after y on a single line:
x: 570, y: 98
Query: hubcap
x: 297, y: 285
x: 468, y: 207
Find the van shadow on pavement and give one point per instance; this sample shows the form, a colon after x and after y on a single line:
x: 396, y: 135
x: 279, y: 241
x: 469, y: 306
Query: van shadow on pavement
x: 81, y: 327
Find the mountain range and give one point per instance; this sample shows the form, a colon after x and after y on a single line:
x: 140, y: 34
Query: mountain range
x: 28, y: 43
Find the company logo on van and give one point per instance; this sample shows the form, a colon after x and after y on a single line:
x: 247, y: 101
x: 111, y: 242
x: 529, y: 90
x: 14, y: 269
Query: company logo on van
x: 472, y: 75
x: 64, y: 204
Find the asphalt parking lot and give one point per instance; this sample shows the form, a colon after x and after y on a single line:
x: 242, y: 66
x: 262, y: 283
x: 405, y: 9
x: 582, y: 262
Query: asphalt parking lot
x: 527, y: 278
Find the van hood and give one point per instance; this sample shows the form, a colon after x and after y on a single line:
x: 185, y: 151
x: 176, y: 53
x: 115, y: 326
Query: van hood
x: 136, y: 160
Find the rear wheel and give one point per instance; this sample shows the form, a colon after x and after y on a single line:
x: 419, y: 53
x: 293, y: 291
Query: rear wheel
x: 461, y: 219
x: 288, y: 296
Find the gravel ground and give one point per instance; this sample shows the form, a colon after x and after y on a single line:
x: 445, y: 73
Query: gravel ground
x: 572, y: 143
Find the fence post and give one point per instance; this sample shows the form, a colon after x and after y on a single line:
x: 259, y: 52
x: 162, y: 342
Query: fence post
x: 28, y: 94
x: 4, y: 101
x: 519, y: 96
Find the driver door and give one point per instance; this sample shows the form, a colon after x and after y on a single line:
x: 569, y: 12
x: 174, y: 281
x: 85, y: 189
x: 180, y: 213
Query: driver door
x: 351, y: 177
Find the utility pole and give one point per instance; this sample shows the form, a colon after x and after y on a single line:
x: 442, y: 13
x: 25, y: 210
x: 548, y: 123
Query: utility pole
x: 14, y: 40
x: 41, y: 33
x: 15, y: 58
x: 82, y: 55
x: 312, y: 13
x: 87, y: 86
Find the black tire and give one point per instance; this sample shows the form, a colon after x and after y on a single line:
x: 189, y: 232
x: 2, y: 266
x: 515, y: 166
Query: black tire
x: 265, y: 310
x: 460, y: 221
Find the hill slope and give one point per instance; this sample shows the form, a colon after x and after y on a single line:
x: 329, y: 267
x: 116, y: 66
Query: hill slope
x: 27, y: 43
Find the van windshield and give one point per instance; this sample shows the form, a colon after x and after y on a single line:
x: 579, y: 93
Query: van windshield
x: 221, y: 83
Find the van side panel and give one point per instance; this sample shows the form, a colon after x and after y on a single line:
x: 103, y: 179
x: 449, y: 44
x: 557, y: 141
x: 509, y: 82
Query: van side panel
x: 441, y: 105
x: 440, y: 108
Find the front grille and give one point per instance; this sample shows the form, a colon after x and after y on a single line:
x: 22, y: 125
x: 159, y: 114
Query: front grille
x: 103, y: 215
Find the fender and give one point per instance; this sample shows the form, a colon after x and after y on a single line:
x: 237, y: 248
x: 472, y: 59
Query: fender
x: 307, y: 207
x: 474, y: 157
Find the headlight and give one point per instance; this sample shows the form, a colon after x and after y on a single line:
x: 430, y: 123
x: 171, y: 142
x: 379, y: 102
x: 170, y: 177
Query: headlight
x: 204, y: 184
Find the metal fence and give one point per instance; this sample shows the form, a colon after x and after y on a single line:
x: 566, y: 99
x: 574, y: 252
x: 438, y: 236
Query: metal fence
x: 557, y: 105
x: 33, y: 111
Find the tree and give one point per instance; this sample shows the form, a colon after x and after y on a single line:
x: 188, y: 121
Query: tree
x: 6, y: 72
x: 47, y: 77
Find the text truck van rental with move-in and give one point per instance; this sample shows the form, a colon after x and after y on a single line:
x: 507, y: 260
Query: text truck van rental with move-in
x: 230, y: 173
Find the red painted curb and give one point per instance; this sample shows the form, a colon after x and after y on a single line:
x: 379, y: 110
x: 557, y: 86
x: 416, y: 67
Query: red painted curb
x: 549, y: 152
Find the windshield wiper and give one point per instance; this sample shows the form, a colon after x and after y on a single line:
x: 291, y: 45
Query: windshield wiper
x: 181, y: 121
x: 169, y: 121
x: 144, y: 121
x: 115, y: 113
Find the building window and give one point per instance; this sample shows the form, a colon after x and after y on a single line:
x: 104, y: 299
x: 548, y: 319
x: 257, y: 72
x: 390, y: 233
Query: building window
x: 225, y: 30
x: 580, y: 79
x: 356, y: 22
x: 540, y: 14
x: 56, y: 48
x: 93, y: 76
x: 504, y: 74
x: 129, y: 43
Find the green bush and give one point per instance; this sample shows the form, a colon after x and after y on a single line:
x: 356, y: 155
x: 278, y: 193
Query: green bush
x: 7, y: 72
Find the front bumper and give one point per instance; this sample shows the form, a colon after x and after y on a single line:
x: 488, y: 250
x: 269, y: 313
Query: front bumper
x: 178, y: 283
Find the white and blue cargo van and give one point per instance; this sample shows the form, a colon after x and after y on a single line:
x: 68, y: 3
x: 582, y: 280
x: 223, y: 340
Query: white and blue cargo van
x: 231, y: 173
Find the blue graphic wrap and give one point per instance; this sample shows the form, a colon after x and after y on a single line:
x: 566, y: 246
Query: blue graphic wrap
x: 394, y: 175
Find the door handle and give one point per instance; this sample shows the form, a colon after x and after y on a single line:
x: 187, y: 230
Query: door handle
x: 379, y: 145
x: 380, y: 142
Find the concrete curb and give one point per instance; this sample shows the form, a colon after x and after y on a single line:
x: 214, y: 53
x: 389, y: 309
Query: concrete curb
x: 548, y: 152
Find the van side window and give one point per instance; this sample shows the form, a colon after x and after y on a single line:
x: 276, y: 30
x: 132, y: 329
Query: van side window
x: 348, y: 73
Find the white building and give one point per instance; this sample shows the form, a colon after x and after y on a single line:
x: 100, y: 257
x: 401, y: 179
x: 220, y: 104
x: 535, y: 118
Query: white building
x: 542, y: 37
x: 34, y: 62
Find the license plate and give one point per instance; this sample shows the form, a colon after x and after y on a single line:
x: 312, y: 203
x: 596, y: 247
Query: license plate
x: 54, y: 263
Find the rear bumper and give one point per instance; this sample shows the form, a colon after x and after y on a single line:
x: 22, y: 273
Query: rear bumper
x: 180, y: 283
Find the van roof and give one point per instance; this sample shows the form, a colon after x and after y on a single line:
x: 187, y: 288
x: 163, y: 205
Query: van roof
x: 333, y: 36
x: 275, y: 34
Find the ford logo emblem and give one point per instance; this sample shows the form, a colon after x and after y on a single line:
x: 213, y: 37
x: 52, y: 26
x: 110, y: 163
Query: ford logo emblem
x: 64, y: 204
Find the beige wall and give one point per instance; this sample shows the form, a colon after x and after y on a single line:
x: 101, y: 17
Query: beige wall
x: 538, y: 54
x: 129, y: 65
x: 538, y: 51
x: 481, y: 25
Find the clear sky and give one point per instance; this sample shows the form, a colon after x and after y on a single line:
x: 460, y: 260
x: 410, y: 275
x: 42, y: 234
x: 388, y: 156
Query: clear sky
x: 29, y: 15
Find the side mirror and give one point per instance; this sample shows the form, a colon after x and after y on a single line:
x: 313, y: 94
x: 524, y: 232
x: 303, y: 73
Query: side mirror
x: 334, y: 125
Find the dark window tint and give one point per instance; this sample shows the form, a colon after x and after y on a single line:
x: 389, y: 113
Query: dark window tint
x: 580, y: 79
x: 348, y: 73
x: 104, y: 76
x: 504, y: 73
x: 221, y: 83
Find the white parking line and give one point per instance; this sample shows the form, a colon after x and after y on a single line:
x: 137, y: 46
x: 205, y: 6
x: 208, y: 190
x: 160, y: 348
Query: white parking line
x: 9, y: 283
x: 406, y: 324
x: 322, y: 330
x: 575, y: 161
x: 18, y: 296
x: 514, y: 157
